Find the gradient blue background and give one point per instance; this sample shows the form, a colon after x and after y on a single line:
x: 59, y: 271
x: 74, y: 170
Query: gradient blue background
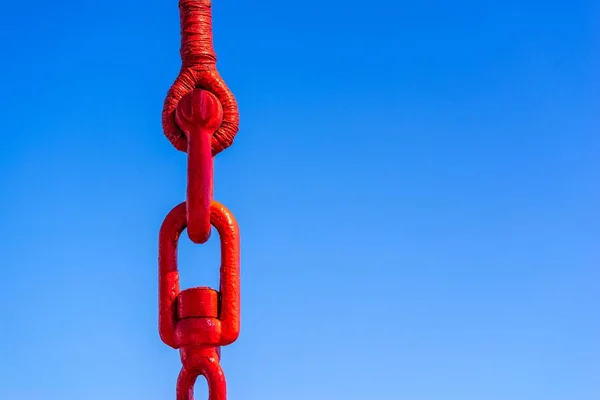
x: 416, y: 185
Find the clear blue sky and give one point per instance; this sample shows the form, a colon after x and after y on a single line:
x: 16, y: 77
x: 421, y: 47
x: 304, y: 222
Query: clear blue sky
x: 416, y: 185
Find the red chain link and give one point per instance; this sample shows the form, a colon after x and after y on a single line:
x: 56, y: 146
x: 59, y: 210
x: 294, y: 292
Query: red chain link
x: 200, y: 117
x: 199, y: 316
x: 199, y: 114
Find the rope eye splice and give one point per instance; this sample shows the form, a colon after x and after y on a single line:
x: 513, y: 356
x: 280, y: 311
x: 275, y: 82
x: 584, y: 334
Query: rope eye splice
x: 200, y: 117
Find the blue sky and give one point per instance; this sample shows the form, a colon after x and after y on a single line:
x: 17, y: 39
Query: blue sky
x: 416, y: 185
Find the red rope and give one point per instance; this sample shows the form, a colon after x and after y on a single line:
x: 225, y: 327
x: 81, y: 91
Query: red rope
x: 198, y: 71
x: 196, y: 34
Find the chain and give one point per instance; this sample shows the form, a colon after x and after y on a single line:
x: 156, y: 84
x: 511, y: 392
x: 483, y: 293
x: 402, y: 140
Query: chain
x: 200, y: 117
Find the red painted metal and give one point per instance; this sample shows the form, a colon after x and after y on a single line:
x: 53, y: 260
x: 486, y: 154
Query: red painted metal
x: 200, y: 117
x: 201, y: 361
x: 199, y: 114
x: 198, y: 302
x: 199, y: 326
